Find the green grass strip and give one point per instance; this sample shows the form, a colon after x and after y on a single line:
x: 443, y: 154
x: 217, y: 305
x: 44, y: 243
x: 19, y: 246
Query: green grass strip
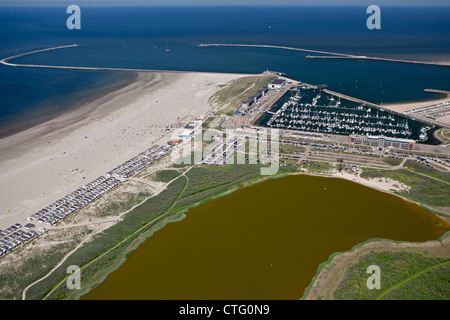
x: 128, y: 237
x: 403, y: 282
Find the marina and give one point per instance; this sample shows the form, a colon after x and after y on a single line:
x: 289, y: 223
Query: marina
x: 321, y: 111
x: 431, y: 121
x: 154, y: 160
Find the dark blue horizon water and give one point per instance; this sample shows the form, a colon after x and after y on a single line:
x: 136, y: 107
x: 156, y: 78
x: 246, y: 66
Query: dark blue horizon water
x: 138, y: 38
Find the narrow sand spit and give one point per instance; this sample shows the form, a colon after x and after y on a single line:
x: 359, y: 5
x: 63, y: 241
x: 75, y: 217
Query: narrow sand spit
x: 46, y: 162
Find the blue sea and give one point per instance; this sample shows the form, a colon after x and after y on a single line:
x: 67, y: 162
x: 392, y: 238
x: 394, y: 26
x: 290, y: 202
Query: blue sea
x: 137, y: 37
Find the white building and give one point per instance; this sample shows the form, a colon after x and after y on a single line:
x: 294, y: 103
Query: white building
x: 277, y: 84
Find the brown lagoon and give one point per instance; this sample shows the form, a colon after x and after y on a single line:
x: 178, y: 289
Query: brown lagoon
x: 264, y: 241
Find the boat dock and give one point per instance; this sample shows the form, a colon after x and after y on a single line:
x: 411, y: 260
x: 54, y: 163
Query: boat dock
x: 374, y: 105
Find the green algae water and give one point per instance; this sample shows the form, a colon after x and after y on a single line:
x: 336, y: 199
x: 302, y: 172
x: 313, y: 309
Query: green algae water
x: 264, y: 241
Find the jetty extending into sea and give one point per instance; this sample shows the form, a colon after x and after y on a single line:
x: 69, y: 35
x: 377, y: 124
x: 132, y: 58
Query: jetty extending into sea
x: 328, y: 54
x: 6, y: 61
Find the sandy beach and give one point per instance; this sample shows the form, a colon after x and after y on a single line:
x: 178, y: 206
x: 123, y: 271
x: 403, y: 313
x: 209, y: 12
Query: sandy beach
x: 46, y: 162
x: 404, y: 106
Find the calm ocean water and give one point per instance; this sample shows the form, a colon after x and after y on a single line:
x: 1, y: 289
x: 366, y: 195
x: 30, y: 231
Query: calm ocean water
x: 139, y: 37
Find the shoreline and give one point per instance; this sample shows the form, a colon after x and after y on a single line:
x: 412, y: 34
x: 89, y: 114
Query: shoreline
x: 324, y: 269
x: 172, y: 216
x: 50, y: 160
x: 91, y: 95
x: 176, y: 216
x: 378, y: 186
x: 404, y: 106
x: 164, y: 85
x: 60, y: 124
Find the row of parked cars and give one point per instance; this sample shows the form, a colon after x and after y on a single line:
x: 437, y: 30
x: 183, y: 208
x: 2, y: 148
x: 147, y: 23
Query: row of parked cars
x: 74, y: 201
x: 222, y: 152
x: 51, y: 215
x: 140, y: 162
x: 15, y: 235
x: 443, y: 161
x: 424, y: 162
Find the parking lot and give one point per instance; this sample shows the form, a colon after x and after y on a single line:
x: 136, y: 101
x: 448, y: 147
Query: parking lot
x: 16, y: 235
